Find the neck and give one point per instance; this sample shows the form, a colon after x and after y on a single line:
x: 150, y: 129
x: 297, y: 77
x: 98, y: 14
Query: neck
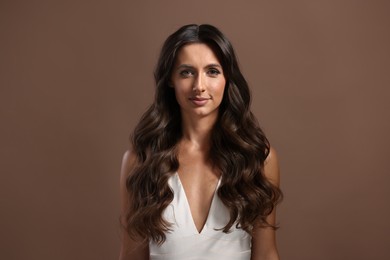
x: 197, y: 132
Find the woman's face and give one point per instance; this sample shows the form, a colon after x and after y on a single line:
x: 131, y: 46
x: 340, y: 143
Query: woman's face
x: 198, y: 80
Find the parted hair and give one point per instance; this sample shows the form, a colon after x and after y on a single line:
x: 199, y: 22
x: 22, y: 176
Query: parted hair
x: 239, y: 147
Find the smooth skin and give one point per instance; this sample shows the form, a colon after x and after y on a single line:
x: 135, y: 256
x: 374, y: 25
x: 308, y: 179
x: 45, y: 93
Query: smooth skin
x: 199, y: 84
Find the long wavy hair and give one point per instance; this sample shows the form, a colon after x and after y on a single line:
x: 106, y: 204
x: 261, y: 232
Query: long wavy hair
x: 238, y: 146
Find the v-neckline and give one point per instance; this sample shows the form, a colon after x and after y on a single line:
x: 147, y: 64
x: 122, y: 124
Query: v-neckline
x: 189, y: 207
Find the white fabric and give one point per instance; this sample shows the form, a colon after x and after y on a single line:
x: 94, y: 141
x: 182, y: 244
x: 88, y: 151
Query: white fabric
x: 184, y: 242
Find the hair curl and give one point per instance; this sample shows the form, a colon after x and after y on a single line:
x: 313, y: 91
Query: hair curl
x: 239, y: 147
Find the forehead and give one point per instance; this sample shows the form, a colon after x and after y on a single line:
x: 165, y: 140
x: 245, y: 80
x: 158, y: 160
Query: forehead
x: 196, y: 54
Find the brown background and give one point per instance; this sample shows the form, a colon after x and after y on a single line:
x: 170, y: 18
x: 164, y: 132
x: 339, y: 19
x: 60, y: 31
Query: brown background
x: 75, y: 76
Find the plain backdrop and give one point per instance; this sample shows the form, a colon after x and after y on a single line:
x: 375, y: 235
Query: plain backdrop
x: 75, y: 76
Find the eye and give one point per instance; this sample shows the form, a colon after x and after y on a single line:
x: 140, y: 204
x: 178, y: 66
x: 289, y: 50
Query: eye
x: 213, y: 72
x: 186, y: 73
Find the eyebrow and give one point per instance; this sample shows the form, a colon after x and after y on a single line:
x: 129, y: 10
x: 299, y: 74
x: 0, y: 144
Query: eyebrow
x: 188, y: 66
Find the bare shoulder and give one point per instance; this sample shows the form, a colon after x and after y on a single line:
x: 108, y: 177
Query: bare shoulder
x: 128, y: 163
x: 130, y: 248
x: 129, y: 159
x: 271, y: 167
x: 264, y: 238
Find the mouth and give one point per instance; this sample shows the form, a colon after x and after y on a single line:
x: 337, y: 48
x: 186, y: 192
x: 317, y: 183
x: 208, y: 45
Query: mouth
x: 199, y: 101
x: 198, y: 98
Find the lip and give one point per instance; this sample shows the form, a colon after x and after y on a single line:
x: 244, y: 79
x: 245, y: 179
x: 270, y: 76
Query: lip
x: 199, y: 101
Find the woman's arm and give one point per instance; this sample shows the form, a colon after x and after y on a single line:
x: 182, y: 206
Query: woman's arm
x: 263, y: 239
x: 130, y: 249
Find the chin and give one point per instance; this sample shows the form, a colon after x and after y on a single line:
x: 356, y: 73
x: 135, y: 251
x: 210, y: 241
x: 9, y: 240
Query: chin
x: 203, y: 113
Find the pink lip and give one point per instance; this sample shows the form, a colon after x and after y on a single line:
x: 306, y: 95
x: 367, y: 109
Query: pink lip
x: 199, y: 101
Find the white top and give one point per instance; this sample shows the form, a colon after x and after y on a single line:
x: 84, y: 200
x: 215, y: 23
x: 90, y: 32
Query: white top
x: 184, y: 242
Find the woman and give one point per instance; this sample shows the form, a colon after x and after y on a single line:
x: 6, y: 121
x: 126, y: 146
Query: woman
x: 201, y: 180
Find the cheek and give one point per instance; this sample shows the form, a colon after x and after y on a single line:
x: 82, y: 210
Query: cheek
x: 219, y: 89
x: 182, y: 86
x: 181, y: 93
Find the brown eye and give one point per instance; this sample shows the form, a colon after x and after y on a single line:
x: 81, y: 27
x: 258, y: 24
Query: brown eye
x: 214, y: 72
x: 186, y: 73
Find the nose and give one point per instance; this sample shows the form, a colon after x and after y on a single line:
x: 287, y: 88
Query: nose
x: 198, y: 85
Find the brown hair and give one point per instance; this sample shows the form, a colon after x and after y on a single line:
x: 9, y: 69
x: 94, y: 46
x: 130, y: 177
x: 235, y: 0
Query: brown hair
x: 239, y: 147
